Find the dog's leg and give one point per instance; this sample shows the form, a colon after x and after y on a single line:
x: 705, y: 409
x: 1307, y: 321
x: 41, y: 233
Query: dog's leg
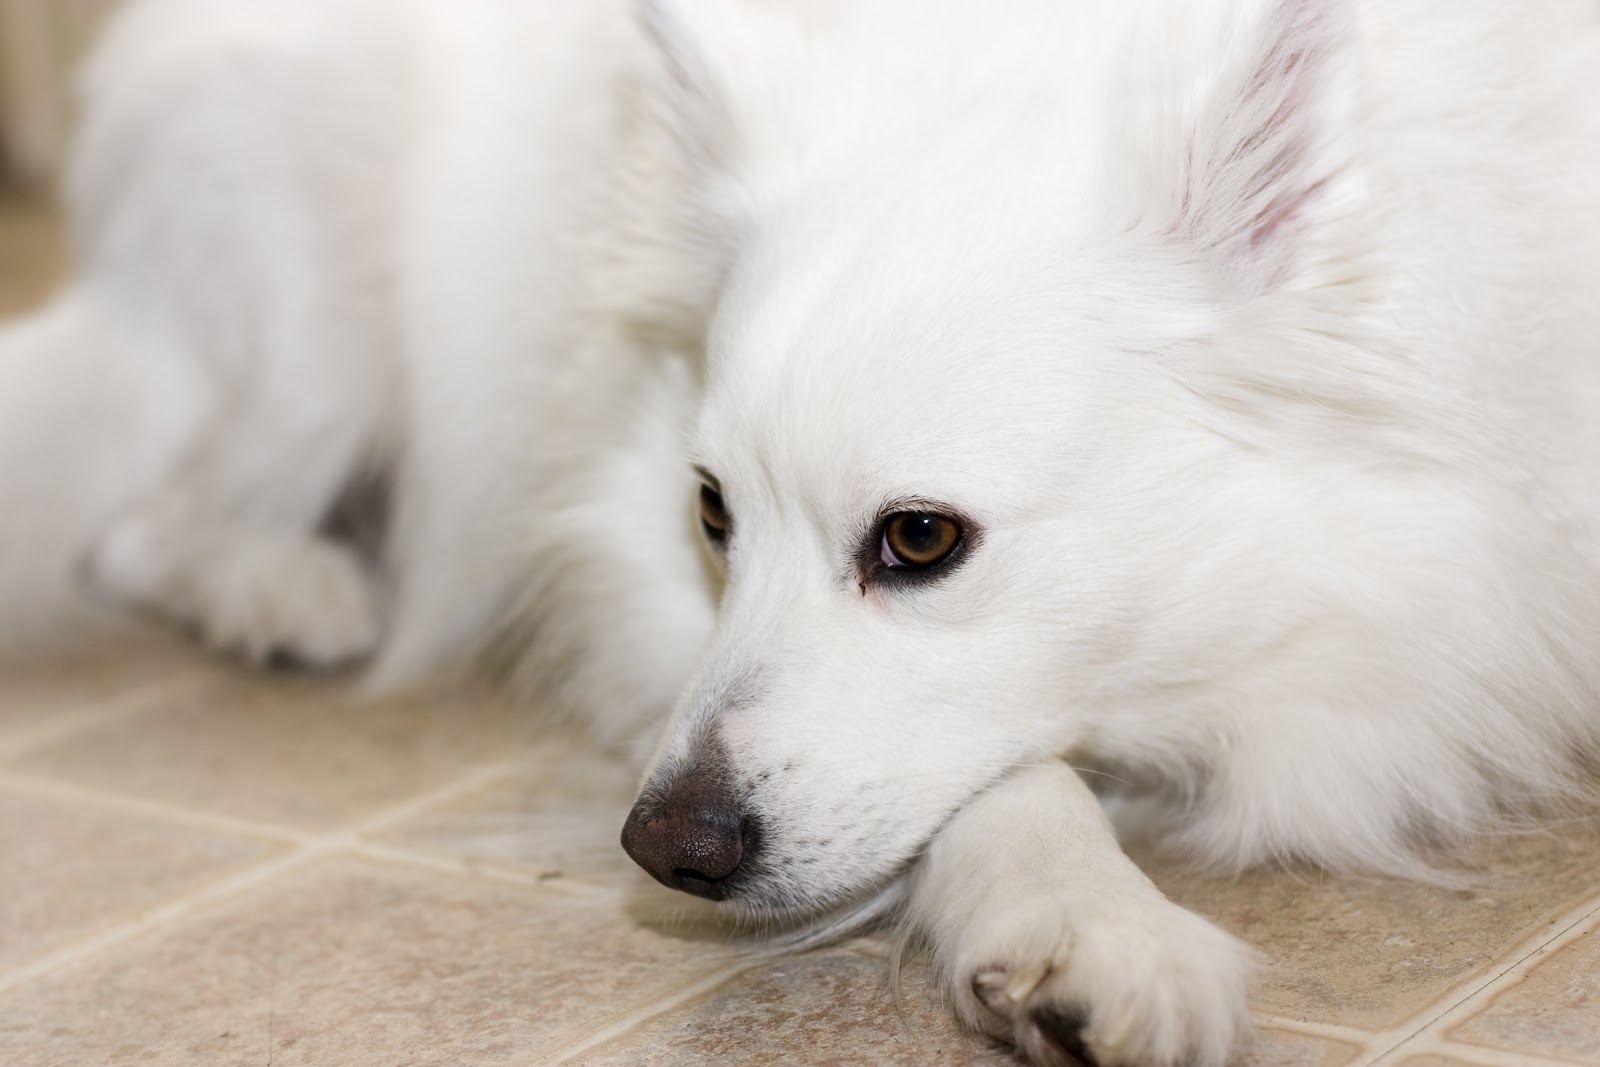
x: 254, y: 591
x: 225, y: 361
x: 1045, y: 934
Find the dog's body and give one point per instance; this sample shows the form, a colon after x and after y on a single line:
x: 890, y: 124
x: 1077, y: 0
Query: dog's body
x: 289, y: 221
x: 1245, y: 351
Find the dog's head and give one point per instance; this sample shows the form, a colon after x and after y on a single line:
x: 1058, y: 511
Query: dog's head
x: 962, y: 497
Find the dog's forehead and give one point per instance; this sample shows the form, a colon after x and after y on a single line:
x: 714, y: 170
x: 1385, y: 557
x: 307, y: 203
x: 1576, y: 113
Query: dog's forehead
x: 838, y: 354
x: 846, y: 411
x: 891, y: 357
x: 827, y: 304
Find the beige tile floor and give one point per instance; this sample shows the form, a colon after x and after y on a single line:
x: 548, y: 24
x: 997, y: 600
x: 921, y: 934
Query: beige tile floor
x: 203, y: 866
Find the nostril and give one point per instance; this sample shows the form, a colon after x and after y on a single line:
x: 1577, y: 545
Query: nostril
x: 695, y: 883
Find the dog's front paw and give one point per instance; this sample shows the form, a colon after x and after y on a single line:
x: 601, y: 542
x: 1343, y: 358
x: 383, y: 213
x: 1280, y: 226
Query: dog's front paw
x: 307, y: 603
x: 263, y: 597
x: 1113, y: 983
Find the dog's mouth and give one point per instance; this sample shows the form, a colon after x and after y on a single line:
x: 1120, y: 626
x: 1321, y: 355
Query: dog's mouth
x: 782, y: 900
x: 700, y: 831
x: 727, y: 861
x: 707, y: 853
x: 703, y: 828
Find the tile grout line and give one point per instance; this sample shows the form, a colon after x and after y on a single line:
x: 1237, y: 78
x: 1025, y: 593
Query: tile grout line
x: 305, y: 849
x: 160, y: 916
x: 1463, y: 998
x: 654, y: 1010
x: 474, y: 778
x: 128, y: 804
x: 1489, y: 1057
x: 1349, y: 1035
x: 70, y: 724
x: 566, y: 887
x: 1513, y: 975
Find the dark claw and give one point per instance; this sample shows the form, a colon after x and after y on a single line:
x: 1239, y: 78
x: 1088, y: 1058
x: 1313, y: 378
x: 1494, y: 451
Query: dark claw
x: 283, y: 661
x: 1063, y: 1028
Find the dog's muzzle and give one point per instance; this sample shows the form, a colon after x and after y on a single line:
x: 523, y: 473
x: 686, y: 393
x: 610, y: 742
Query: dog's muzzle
x: 693, y: 835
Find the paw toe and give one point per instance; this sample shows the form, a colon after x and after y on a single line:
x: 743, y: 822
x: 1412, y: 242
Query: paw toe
x: 989, y: 987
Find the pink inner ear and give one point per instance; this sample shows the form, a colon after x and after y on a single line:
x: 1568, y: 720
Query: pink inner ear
x: 1281, y: 213
x: 1247, y: 197
x: 1289, y: 72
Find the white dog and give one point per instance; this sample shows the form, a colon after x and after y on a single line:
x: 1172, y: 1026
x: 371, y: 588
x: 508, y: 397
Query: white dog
x: 1201, y: 390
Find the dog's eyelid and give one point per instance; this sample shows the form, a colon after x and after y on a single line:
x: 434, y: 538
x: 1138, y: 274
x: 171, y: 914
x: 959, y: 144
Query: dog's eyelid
x: 921, y: 504
x: 896, y: 505
x: 708, y: 478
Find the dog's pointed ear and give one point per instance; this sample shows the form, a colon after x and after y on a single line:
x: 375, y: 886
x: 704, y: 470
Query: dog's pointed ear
x: 695, y: 90
x: 713, y: 54
x: 1262, y: 152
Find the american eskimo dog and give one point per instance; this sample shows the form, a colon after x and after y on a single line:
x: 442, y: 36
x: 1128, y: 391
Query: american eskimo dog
x: 910, y: 397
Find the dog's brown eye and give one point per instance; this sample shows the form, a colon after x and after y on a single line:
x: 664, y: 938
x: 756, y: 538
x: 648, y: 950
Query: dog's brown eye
x: 713, y: 515
x: 918, y: 539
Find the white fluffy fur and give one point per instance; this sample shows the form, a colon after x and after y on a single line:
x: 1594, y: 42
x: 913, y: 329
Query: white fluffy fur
x: 1255, y: 340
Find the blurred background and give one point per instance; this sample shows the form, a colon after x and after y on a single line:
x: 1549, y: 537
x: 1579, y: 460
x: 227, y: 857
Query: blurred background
x: 41, y: 42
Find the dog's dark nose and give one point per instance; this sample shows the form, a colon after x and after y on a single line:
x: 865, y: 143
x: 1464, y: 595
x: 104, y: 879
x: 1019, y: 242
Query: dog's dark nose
x: 692, y: 837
